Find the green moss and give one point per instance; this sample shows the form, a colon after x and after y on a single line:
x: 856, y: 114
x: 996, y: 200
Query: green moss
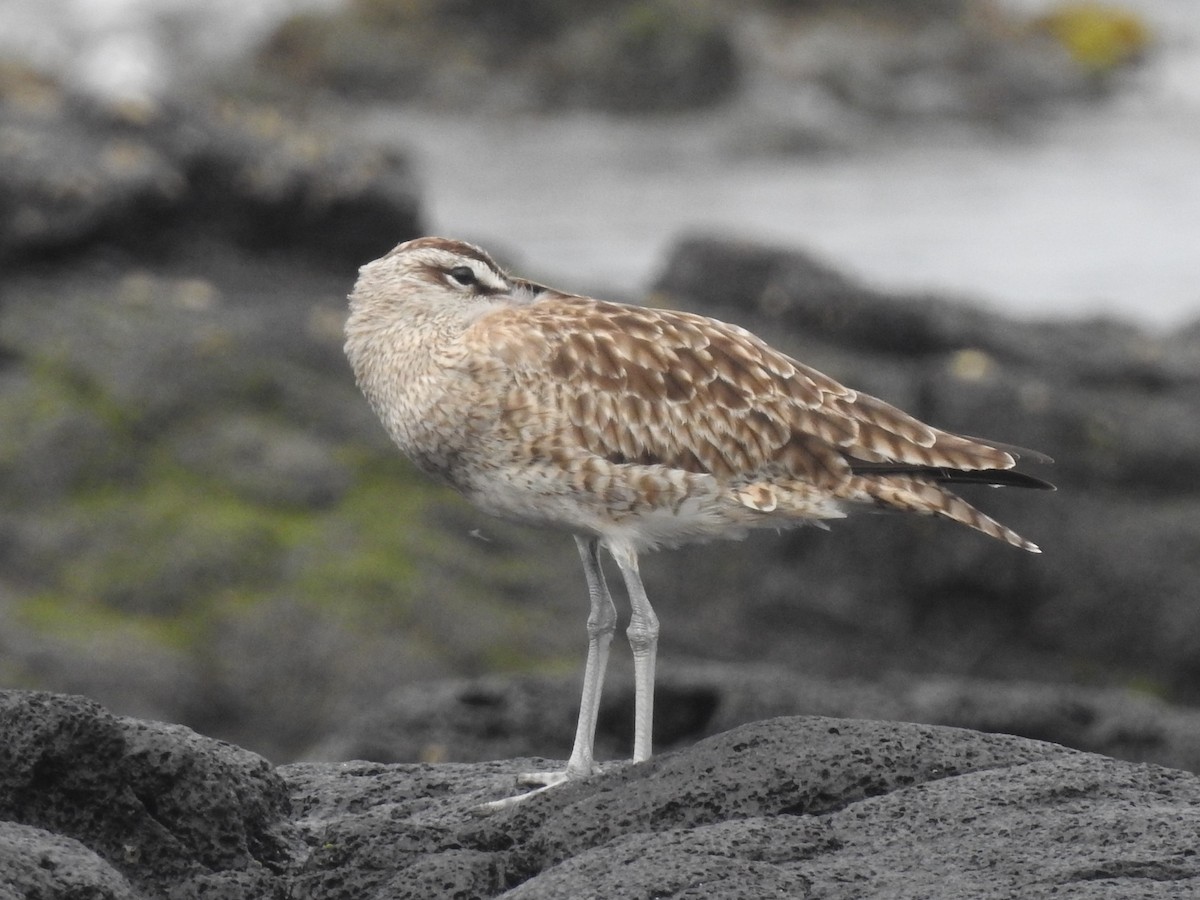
x: 69, y: 616
x: 169, y: 549
x: 1098, y: 37
x: 58, y: 383
x: 45, y: 395
x: 163, y: 546
x: 363, y: 551
x: 648, y: 23
x: 1148, y: 686
x: 167, y: 554
x: 134, y: 543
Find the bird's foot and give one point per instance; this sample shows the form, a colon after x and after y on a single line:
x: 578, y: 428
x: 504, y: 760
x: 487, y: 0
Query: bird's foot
x: 538, y: 781
x: 542, y: 780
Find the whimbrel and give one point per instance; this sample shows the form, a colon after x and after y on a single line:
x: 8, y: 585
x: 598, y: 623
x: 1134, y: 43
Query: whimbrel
x: 631, y: 428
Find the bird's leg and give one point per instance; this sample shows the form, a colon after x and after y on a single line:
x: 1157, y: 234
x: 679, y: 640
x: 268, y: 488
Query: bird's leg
x: 601, y: 624
x: 643, y: 639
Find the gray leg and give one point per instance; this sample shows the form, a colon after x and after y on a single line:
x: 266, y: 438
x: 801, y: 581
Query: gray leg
x: 601, y: 623
x: 643, y: 639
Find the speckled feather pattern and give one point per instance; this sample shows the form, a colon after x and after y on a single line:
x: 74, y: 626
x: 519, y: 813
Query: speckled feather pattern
x: 655, y: 426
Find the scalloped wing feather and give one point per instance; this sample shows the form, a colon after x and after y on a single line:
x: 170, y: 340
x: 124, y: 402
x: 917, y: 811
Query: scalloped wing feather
x: 652, y: 387
x: 689, y: 391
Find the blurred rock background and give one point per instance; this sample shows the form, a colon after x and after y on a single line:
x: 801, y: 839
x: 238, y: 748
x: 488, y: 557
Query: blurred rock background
x: 202, y: 522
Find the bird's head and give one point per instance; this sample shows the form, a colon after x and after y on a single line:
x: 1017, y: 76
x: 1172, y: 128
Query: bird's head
x: 425, y: 274
x: 441, y: 262
x: 436, y: 281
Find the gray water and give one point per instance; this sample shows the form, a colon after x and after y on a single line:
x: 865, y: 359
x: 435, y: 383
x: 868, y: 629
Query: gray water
x: 1097, y: 210
x: 1090, y: 217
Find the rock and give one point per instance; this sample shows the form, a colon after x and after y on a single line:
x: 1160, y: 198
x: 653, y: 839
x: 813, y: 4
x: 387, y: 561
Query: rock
x: 794, y: 290
x: 611, y: 55
x: 642, y: 58
x: 268, y: 463
x: 42, y: 864
x: 284, y: 671
x: 156, y: 347
x: 157, y: 803
x: 140, y: 678
x: 49, y: 446
x: 796, y: 77
x: 66, y: 178
x: 907, y: 65
x: 173, y: 394
x: 76, y: 173
x: 789, y: 807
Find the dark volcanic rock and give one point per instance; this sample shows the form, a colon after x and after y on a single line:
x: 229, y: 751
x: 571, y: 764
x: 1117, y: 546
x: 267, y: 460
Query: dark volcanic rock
x: 798, y: 76
x: 41, y: 864
x: 174, y: 281
x: 612, y: 55
x: 641, y: 58
x: 76, y: 173
x: 158, y: 803
x: 94, y: 805
x: 265, y: 462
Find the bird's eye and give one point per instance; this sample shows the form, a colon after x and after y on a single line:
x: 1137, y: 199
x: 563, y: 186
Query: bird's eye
x: 464, y: 275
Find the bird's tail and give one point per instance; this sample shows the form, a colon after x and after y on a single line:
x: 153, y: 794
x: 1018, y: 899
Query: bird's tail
x: 923, y: 495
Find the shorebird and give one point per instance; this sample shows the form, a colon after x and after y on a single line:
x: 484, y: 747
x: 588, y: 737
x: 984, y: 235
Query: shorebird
x: 631, y: 428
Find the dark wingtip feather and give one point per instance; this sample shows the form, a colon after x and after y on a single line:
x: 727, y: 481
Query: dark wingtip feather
x: 1001, y: 478
x: 993, y: 477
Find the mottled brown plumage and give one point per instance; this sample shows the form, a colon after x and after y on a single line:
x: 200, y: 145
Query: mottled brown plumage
x: 631, y: 427
x: 673, y: 392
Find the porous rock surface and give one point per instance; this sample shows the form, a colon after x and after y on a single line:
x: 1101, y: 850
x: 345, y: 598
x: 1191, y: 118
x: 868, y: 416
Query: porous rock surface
x: 102, y: 806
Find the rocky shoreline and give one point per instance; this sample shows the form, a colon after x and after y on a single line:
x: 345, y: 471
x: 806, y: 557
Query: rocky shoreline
x: 113, y: 808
